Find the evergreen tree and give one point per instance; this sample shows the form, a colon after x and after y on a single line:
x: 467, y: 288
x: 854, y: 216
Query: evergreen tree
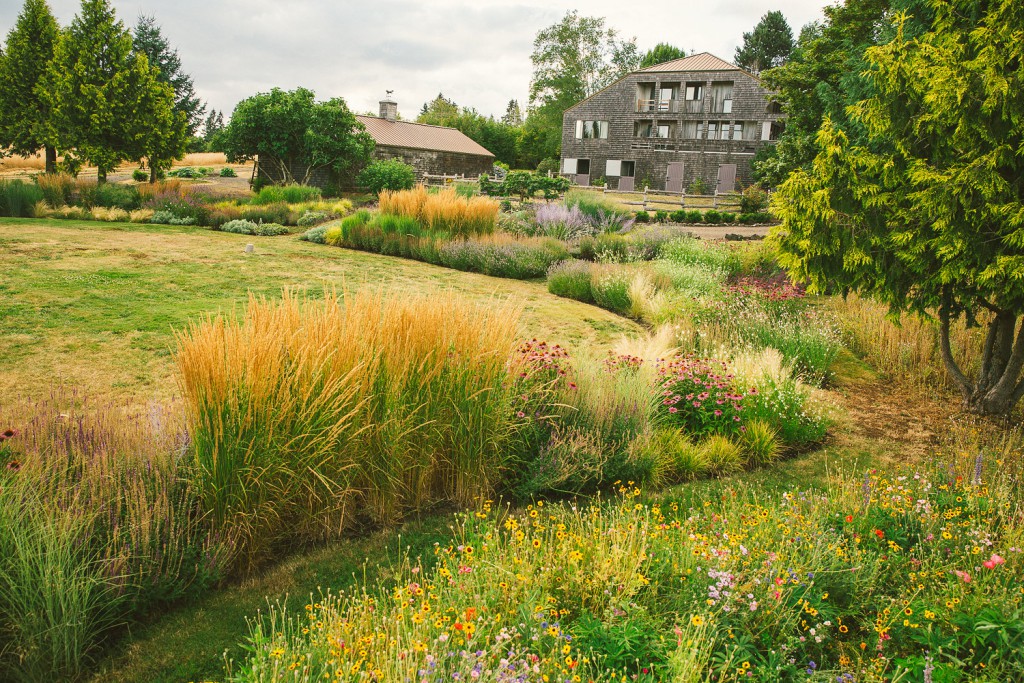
x: 147, y: 39
x: 513, y: 114
x: 661, y: 53
x: 769, y: 45
x: 439, y: 111
x: 108, y: 104
x: 23, y: 113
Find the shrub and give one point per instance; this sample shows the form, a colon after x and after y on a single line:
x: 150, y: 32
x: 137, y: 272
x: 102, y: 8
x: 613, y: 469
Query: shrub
x: 728, y: 217
x: 317, y: 235
x: 697, y: 186
x: 754, y: 218
x: 520, y: 259
x: 57, y: 188
x: 388, y: 406
x: 610, y: 287
x: 520, y: 183
x: 700, y: 396
x: 643, y: 217
x: 228, y: 172
x: 679, y: 458
x: 690, y: 251
x: 723, y: 457
x: 140, y: 175
x: 660, y: 216
x: 240, y: 227
x: 550, y: 188
x: 288, y: 194
x: 563, y: 222
x: 549, y: 165
x: 754, y: 199
x: 186, y: 172
x: 678, y: 216
x: 310, y: 218
x: 571, y: 279
x: 712, y: 217
x: 391, y: 175
x: 270, y: 230
x: 18, y: 199
x: 694, y: 216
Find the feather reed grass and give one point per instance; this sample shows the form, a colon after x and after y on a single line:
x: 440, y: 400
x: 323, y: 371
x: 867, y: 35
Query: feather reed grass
x: 444, y: 211
x: 307, y: 415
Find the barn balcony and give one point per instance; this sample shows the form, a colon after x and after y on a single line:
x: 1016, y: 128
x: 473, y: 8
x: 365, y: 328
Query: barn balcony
x: 670, y: 106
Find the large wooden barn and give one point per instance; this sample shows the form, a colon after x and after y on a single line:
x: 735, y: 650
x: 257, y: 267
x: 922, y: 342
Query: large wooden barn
x: 695, y: 117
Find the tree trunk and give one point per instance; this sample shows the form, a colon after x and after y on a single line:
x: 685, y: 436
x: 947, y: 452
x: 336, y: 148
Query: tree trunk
x: 999, y: 386
x: 51, y: 159
x: 101, y: 175
x: 154, y: 171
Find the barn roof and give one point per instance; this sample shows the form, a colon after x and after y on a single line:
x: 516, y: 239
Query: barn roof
x: 420, y: 136
x: 705, y: 61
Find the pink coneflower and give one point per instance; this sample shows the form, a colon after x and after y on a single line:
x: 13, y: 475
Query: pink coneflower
x: 718, y: 413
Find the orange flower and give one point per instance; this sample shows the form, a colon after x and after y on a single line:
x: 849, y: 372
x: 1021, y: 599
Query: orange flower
x: 470, y: 613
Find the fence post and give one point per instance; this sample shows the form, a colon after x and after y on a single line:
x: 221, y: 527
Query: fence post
x: 716, y: 198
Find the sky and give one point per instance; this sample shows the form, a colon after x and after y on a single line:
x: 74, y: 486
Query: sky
x: 477, y: 53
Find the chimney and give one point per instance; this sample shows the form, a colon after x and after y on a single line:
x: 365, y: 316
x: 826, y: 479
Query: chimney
x: 389, y: 108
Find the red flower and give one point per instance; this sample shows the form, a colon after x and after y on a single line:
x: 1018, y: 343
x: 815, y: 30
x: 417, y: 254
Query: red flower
x: 849, y: 518
x: 879, y: 533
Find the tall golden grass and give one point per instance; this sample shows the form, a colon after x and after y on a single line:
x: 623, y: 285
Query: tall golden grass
x: 306, y: 415
x: 909, y: 350
x: 37, y: 161
x: 443, y: 211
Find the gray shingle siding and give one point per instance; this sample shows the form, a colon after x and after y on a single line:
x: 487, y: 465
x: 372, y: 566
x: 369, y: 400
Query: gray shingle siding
x: 701, y: 157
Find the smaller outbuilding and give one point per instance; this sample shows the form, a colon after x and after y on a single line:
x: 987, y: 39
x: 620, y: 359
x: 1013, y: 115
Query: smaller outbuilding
x: 431, y: 150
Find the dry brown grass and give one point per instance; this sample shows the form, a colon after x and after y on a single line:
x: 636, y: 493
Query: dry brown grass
x: 202, y: 159
x: 909, y: 350
x: 37, y: 162
x: 443, y: 211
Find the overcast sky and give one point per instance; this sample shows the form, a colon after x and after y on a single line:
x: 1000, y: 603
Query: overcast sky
x: 477, y: 52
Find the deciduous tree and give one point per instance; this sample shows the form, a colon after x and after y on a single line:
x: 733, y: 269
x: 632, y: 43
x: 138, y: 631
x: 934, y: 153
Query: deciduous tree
x: 291, y: 130
x: 926, y: 213
x: 23, y: 112
x: 661, y: 53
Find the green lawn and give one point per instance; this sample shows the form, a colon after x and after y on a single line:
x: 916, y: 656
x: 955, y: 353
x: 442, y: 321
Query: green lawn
x: 95, y: 305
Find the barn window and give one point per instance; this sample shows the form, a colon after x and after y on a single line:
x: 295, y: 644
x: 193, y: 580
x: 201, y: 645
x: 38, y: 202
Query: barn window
x: 591, y: 130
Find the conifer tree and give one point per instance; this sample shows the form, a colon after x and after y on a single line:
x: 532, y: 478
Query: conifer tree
x: 28, y: 53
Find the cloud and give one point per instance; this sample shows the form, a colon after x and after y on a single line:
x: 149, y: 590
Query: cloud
x: 476, y: 53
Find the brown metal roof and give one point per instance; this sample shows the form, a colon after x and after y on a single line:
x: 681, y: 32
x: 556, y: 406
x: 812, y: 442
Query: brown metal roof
x: 420, y: 136
x: 705, y: 61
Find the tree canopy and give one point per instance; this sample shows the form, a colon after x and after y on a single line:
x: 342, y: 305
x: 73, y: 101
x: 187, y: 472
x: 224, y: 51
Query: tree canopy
x: 768, y: 45
x: 23, y: 112
x: 290, y: 131
x: 106, y: 103
x: 572, y: 60
x: 661, y: 53
x: 147, y: 39
x: 498, y: 137
x: 925, y: 209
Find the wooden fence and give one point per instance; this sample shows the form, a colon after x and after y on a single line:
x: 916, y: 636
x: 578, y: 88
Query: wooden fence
x: 661, y: 199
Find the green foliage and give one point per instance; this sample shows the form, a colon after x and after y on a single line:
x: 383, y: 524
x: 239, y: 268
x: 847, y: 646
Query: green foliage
x: 571, y: 279
x: 678, y: 216
x: 316, y: 235
x: 18, y: 199
x: 930, y: 222
x: 501, y: 138
x: 643, y: 217
x: 148, y: 40
x: 391, y: 174
x: 769, y: 45
x: 661, y: 53
x: 697, y: 186
x: 610, y: 287
x: 228, y: 172
x: 520, y: 183
x: 760, y: 443
x: 546, y: 166
x: 660, y: 216
x: 289, y: 130
x: 278, y: 212
x: 109, y: 195
x: 755, y: 218
x: 694, y: 216
x: 140, y: 175
x: 723, y: 457
x: 713, y: 217
x: 311, y: 218
x: 106, y: 102
x: 754, y: 199
x: 289, y: 194
x: 24, y: 112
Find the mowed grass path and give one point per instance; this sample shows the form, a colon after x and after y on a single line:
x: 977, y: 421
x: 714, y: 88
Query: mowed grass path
x: 95, y: 305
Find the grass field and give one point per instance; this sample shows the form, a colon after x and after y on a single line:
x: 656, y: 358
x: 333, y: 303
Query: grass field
x: 96, y: 305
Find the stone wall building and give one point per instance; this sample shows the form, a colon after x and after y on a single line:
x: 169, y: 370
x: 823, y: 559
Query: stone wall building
x: 695, y: 117
x: 434, y: 150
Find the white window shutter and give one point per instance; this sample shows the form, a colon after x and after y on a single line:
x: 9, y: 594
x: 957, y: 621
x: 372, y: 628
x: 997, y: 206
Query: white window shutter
x: 579, y: 130
x: 612, y: 168
x: 569, y: 166
x: 766, y: 130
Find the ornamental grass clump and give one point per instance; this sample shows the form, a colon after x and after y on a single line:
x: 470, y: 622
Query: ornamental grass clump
x: 444, y: 211
x: 308, y: 415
